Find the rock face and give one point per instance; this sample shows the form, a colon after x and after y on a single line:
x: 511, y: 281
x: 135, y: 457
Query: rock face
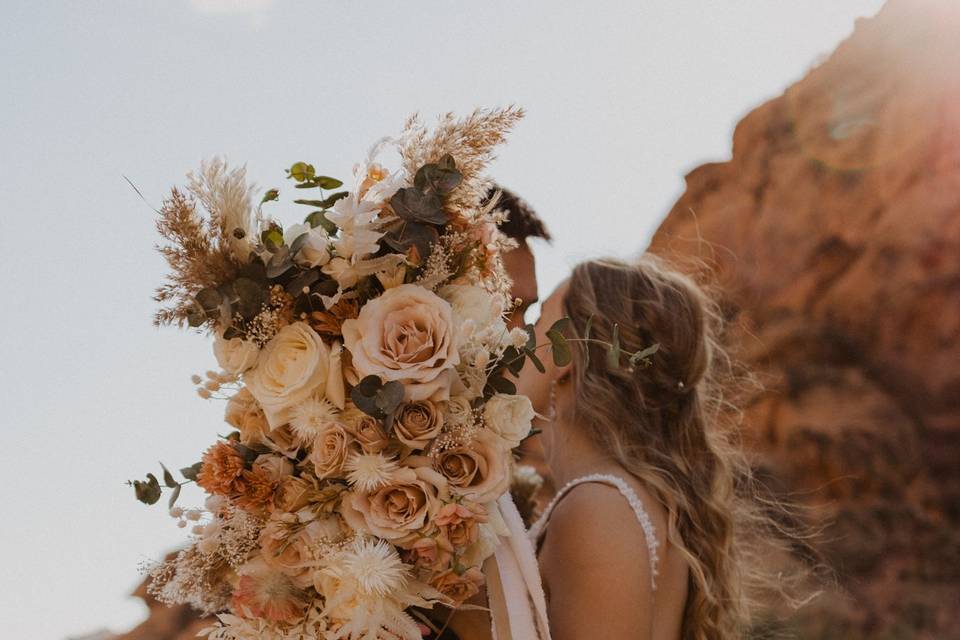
x: 834, y: 232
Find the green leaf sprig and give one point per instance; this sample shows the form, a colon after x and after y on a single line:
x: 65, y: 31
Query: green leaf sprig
x: 149, y: 491
x: 513, y: 359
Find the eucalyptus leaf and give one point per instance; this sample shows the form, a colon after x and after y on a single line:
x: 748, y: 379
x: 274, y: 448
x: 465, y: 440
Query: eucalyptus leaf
x: 196, y: 316
x: 147, y: 492
x: 279, y: 264
x: 191, y: 472
x: 403, y: 235
x: 415, y: 206
x: 447, y: 162
x: 304, y: 279
x: 168, y: 478
x: 586, y: 338
x: 254, y: 270
x: 318, y: 219
x: 301, y: 171
x: 502, y: 385
x: 561, y: 325
x: 531, y: 337
x: 272, y: 238
x: 173, y: 497
x: 331, y: 199
x: 365, y: 403
x: 312, y: 203
x: 642, y: 356
x: 389, y: 397
x: 249, y: 454
x: 209, y: 299
x: 270, y: 196
x: 513, y: 360
x: 537, y: 362
x: 326, y: 182
x: 437, y: 178
x: 613, y: 351
x: 232, y: 332
x: 560, y: 348
x: 298, y: 242
x: 250, y: 297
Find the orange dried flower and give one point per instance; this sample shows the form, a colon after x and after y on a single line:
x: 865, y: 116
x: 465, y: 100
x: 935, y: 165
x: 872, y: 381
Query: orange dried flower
x: 259, y: 490
x: 222, y: 470
x: 328, y: 323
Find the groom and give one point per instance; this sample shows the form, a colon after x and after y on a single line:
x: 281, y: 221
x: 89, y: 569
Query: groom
x: 522, y: 225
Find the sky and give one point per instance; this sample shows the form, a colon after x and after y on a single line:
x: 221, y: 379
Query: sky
x: 623, y: 98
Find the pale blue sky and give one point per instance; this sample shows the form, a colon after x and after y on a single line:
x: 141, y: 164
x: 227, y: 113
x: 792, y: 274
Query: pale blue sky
x: 623, y: 98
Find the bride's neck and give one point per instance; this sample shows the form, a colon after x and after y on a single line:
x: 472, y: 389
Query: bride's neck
x: 572, y: 454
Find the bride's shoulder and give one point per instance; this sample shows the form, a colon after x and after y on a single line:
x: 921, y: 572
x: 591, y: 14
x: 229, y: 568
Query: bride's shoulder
x: 595, y: 523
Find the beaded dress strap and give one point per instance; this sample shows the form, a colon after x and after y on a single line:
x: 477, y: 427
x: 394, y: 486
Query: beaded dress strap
x: 539, y: 527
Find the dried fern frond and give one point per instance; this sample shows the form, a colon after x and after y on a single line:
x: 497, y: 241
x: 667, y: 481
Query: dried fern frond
x: 469, y: 140
x: 197, y: 258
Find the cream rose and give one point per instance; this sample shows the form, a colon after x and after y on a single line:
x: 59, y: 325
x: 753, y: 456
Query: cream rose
x: 293, y: 365
x: 397, y: 511
x: 416, y: 424
x: 292, y: 547
x: 407, y: 335
x: 476, y: 470
x: 510, y: 417
x: 483, y: 548
x: 330, y: 451
x: 245, y: 415
x: 315, y: 250
x: 474, y: 308
x: 293, y: 494
x: 458, y: 411
x: 235, y: 355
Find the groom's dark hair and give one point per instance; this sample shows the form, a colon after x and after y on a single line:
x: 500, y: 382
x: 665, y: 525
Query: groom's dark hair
x: 522, y: 221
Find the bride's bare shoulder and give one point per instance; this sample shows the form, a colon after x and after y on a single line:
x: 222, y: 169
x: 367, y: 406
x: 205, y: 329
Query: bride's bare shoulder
x: 595, y: 525
x: 594, y: 560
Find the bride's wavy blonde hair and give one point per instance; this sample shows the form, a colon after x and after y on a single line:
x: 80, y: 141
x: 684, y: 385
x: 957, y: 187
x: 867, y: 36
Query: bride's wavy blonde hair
x: 672, y: 425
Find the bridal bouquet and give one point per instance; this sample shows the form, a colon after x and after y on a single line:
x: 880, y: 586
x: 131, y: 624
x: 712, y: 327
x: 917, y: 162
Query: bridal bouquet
x: 362, y: 359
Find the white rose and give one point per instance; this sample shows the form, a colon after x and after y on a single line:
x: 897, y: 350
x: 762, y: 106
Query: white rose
x: 483, y: 548
x: 315, y: 250
x: 235, y: 355
x: 293, y: 365
x: 294, y: 231
x: 458, y: 411
x: 474, y: 308
x: 510, y: 417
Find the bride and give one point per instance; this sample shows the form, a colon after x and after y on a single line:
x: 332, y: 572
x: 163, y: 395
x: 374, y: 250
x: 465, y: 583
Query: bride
x: 647, y: 537
x: 654, y: 534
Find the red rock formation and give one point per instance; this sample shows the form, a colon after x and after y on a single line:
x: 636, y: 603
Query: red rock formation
x: 835, y: 233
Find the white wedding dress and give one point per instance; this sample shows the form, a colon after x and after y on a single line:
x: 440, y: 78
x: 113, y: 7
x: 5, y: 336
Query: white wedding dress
x: 517, y: 603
